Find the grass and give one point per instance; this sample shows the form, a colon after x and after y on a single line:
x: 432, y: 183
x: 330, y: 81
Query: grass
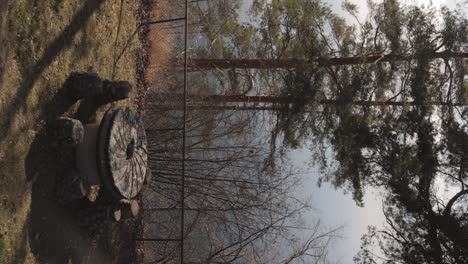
x: 2, y: 250
x: 44, y: 41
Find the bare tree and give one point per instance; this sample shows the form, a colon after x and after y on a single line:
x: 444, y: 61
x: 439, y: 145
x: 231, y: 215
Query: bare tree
x: 236, y: 206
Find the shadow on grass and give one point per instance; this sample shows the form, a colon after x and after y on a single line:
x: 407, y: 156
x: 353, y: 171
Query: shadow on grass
x: 55, y: 235
x: 31, y: 75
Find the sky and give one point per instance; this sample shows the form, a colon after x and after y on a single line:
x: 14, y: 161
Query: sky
x: 333, y: 207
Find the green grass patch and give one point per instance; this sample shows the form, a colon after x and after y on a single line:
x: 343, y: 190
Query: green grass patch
x: 45, y: 41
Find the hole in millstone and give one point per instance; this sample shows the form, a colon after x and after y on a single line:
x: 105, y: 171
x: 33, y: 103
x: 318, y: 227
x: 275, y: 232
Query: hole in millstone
x: 131, y: 149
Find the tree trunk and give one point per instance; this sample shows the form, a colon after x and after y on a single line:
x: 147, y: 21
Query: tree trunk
x: 273, y: 103
x: 294, y: 63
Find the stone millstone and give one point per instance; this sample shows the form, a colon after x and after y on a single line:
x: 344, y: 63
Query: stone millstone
x: 122, y: 154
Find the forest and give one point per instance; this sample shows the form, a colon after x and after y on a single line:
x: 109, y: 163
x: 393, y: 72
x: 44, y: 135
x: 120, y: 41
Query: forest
x: 380, y: 102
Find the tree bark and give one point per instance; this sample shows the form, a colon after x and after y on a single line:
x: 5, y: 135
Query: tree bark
x: 275, y: 103
x: 294, y: 63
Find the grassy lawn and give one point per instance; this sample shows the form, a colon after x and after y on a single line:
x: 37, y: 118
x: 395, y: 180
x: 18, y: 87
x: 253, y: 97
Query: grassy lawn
x: 42, y: 42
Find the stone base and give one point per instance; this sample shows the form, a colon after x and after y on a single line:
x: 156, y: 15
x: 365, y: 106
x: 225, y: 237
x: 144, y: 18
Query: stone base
x: 86, y: 157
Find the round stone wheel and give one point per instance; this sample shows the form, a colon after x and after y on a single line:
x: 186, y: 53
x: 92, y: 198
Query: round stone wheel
x: 121, y: 152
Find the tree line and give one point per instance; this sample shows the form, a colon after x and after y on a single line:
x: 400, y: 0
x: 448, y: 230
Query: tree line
x: 386, y: 96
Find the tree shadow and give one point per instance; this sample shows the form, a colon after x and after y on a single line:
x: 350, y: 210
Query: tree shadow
x: 62, y: 41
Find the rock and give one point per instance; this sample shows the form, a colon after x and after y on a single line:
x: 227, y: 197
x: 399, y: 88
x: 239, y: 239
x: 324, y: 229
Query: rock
x: 81, y: 85
x: 66, y: 131
x: 93, y: 193
x: 87, y: 85
x: 122, y: 153
x: 115, y: 90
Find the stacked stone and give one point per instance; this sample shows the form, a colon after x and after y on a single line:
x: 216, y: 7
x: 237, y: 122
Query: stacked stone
x: 84, y: 85
x: 116, y: 149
